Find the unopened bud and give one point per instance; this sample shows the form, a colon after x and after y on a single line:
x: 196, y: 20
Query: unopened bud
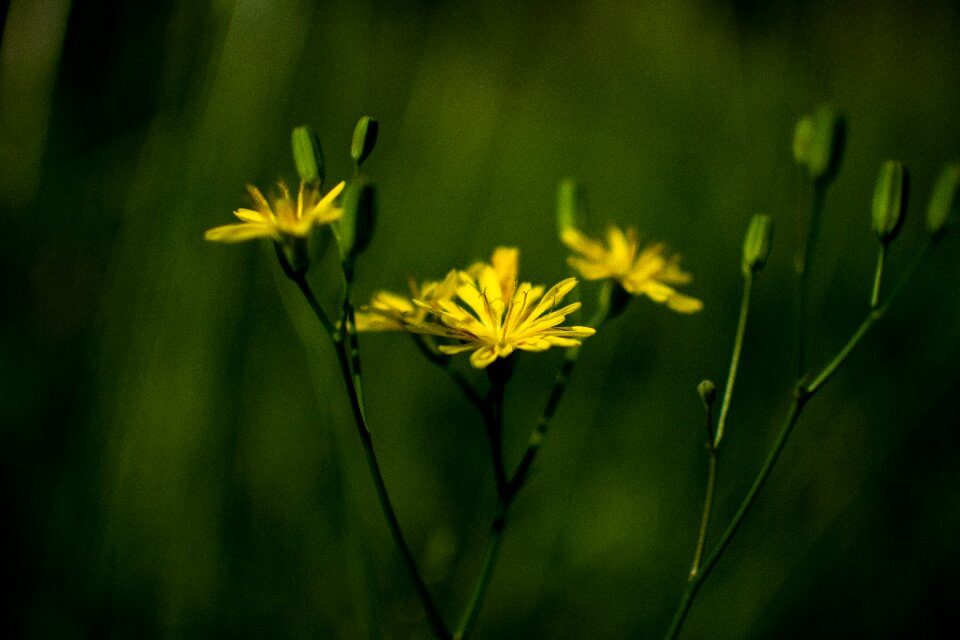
x: 308, y: 154
x: 890, y: 200
x: 945, y: 200
x: 569, y: 206
x: 359, y: 217
x: 708, y: 392
x: 364, y: 139
x: 818, y: 142
x: 756, y: 244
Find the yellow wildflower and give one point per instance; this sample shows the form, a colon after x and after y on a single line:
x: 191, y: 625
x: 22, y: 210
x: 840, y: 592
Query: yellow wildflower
x: 650, y: 273
x: 389, y: 311
x: 285, y: 219
x: 493, y: 315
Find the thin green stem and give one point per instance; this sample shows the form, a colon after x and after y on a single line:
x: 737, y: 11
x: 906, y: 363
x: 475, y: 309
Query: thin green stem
x: 878, y: 276
x: 803, y: 393
x: 696, y: 581
x: 352, y: 380
x: 507, y: 492
x: 472, y: 612
x: 493, y: 417
x: 735, y: 357
x: 707, y: 509
x: 570, y: 356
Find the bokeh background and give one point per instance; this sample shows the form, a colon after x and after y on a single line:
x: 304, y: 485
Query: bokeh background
x: 177, y: 453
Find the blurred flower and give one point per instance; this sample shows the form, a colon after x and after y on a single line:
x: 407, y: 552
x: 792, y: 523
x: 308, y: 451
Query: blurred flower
x: 389, y: 311
x: 651, y: 273
x: 285, y: 219
x: 493, y: 315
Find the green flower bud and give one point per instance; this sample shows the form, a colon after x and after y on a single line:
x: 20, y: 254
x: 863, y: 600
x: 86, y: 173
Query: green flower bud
x: 364, y: 139
x: 802, y: 141
x: 818, y: 142
x: 756, y: 244
x: 890, y: 200
x: 708, y: 392
x: 569, y: 206
x: 944, y: 200
x: 308, y: 154
x: 359, y: 216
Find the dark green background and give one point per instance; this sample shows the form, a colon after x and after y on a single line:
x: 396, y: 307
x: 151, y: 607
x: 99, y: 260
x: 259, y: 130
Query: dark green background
x: 178, y: 458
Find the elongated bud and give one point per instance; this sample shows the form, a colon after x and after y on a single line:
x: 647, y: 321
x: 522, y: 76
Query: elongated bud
x: 945, y: 200
x: 756, y: 244
x: 308, y: 154
x: 359, y: 217
x: 818, y: 142
x: 890, y: 200
x: 569, y: 206
x: 364, y: 139
x: 708, y: 392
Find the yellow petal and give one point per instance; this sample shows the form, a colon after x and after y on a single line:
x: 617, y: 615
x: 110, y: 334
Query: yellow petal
x: 249, y: 215
x: 328, y: 199
x: 504, y: 262
x: 482, y: 357
x: 260, y: 202
x: 684, y: 304
x: 239, y: 232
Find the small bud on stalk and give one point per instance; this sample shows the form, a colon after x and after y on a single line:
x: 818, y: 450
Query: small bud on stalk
x: 708, y: 392
x: 569, y: 206
x: 944, y: 201
x: 818, y: 142
x: 890, y: 200
x: 364, y: 139
x: 756, y: 244
x: 308, y: 155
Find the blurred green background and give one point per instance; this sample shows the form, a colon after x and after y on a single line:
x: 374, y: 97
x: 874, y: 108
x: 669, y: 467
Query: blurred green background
x: 177, y: 454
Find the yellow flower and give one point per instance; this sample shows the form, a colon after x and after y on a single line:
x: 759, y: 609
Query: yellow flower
x: 651, y: 273
x: 285, y: 219
x: 389, y: 311
x: 493, y: 315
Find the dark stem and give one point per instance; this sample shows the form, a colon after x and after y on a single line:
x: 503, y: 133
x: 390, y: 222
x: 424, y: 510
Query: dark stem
x: 351, y: 379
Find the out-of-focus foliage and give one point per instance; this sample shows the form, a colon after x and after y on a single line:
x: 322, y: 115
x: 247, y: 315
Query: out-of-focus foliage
x: 177, y: 454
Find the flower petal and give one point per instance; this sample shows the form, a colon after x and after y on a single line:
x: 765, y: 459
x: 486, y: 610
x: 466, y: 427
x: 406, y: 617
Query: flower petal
x: 239, y: 232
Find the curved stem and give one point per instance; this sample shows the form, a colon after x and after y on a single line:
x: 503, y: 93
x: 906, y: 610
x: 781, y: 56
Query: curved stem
x: 803, y: 393
x: 570, y: 356
x: 878, y: 277
x: 696, y: 581
x: 707, y: 509
x: 735, y: 357
x: 351, y: 379
x: 470, y: 614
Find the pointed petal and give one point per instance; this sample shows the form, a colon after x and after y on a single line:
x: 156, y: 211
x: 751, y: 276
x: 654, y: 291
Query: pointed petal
x: 249, y: 215
x: 505, y: 263
x: 328, y: 199
x: 239, y: 232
